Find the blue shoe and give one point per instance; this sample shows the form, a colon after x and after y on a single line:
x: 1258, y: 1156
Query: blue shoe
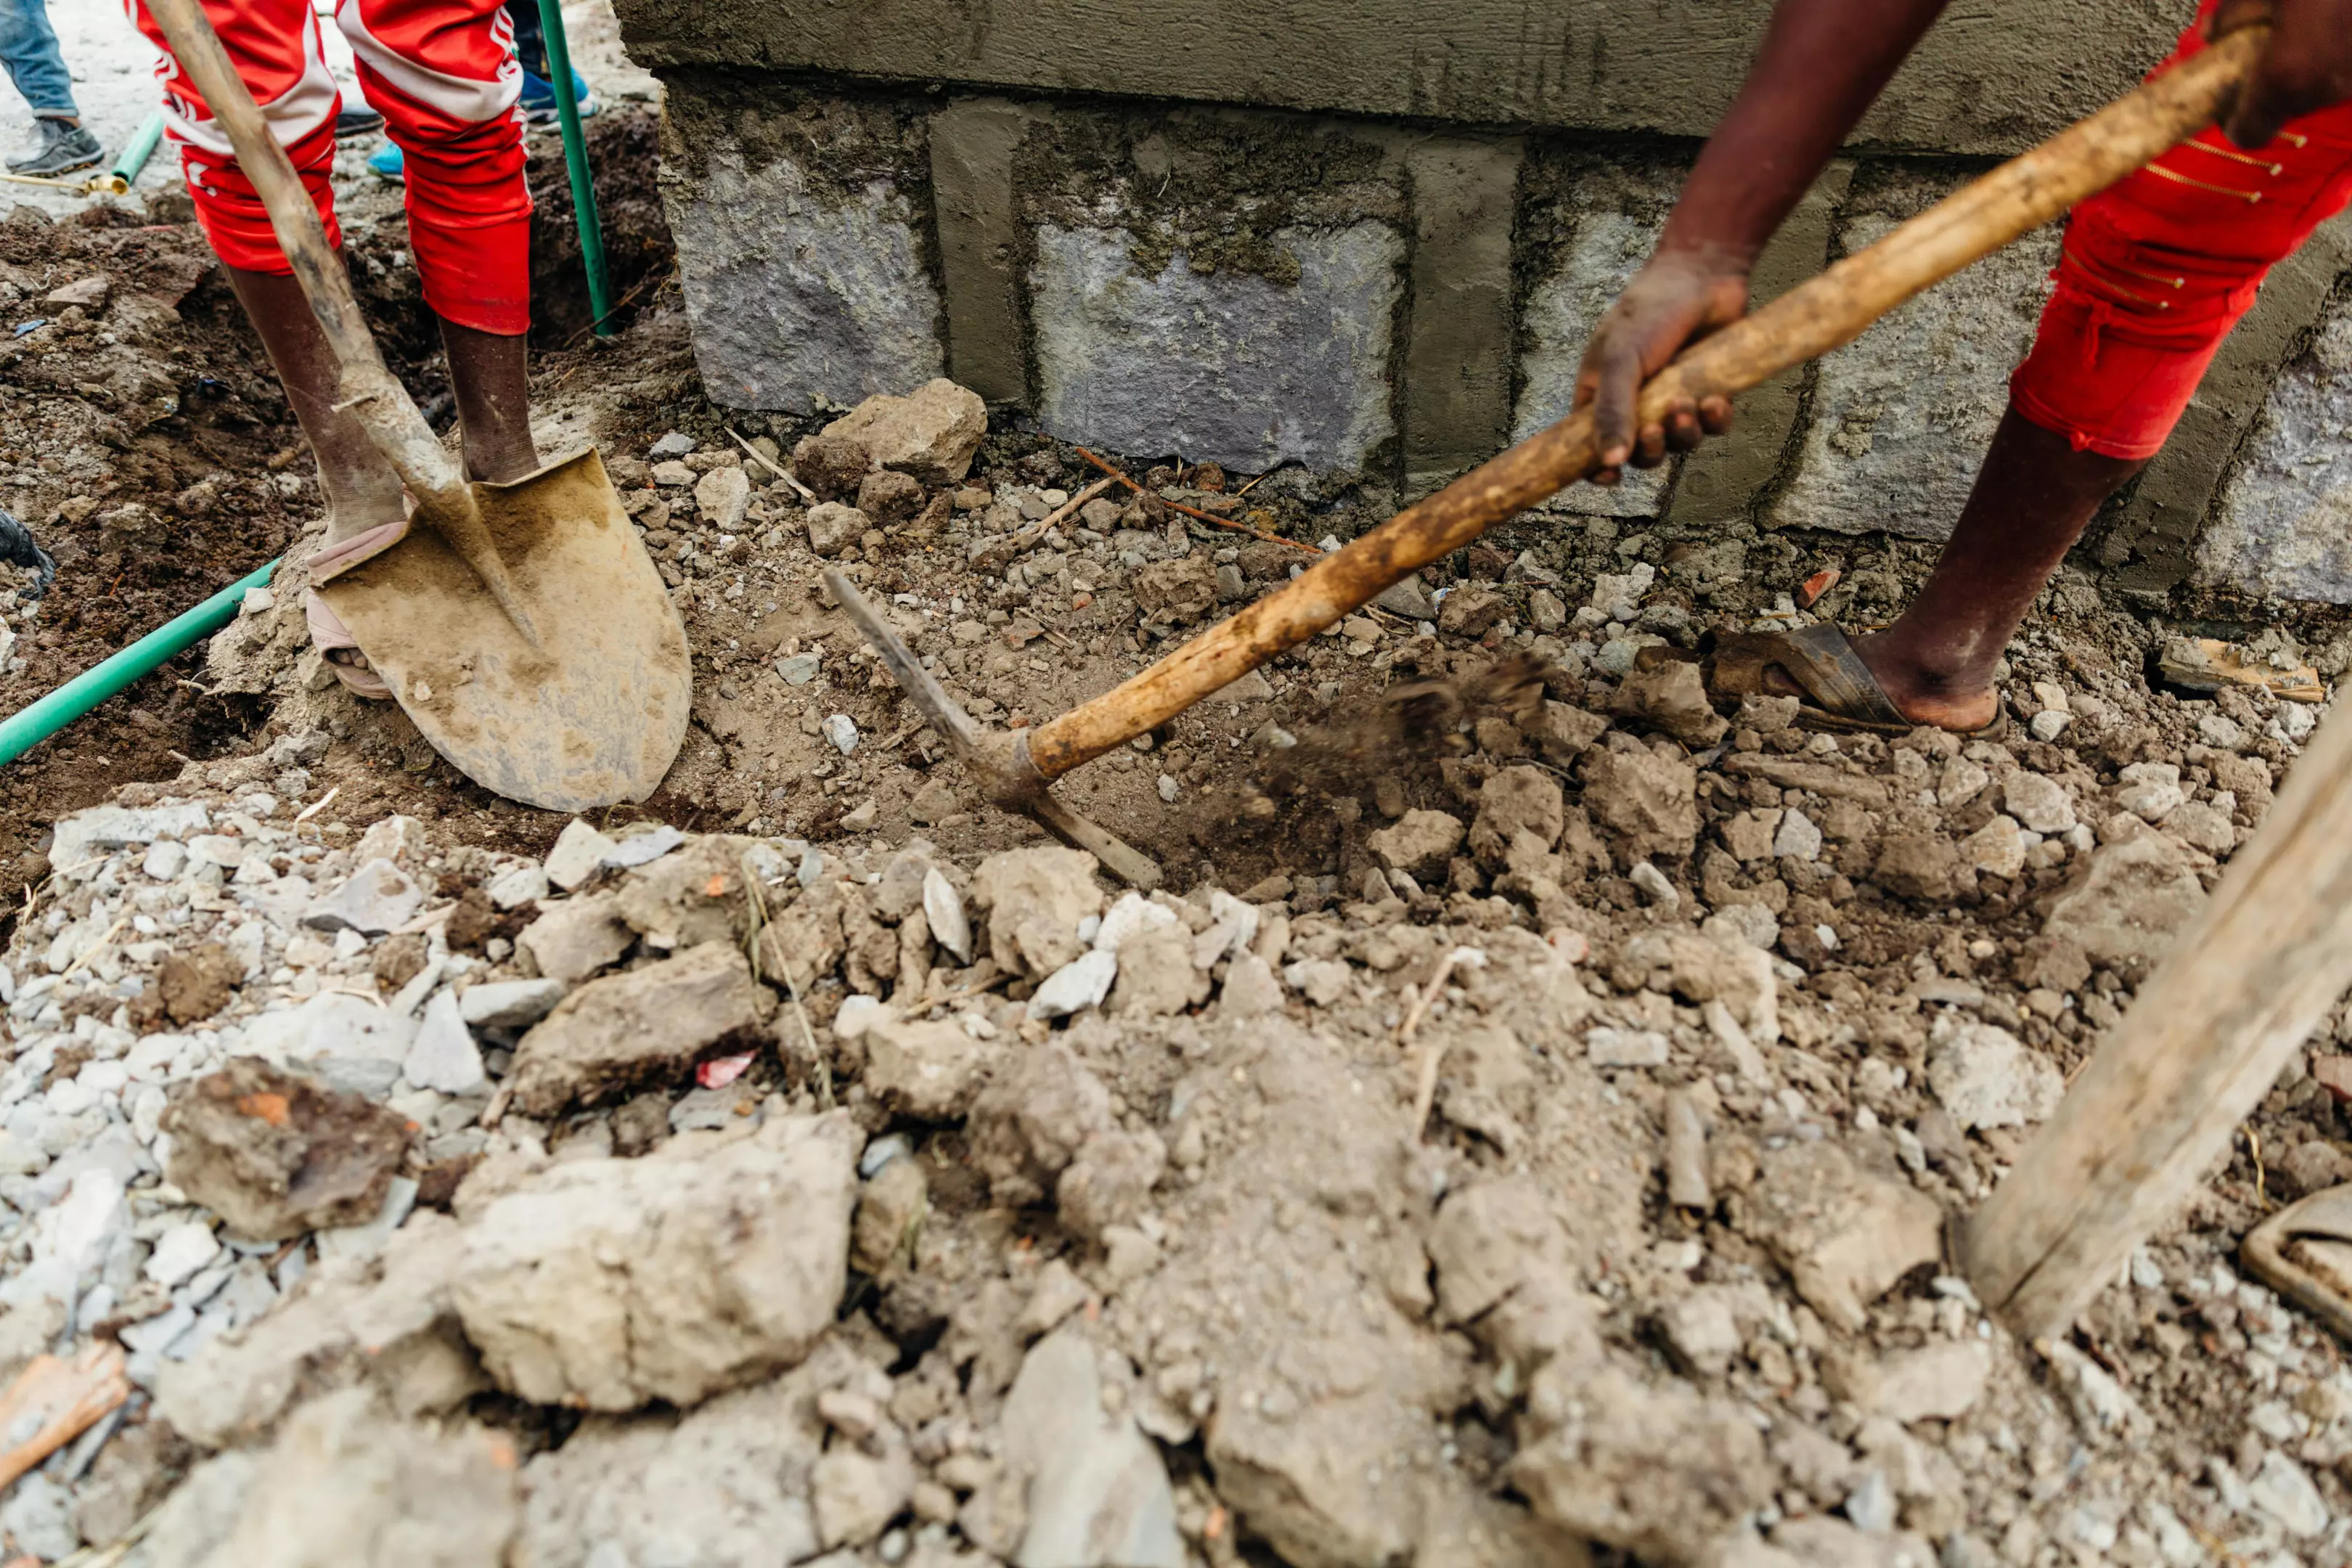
x: 386, y: 163
x: 539, y: 98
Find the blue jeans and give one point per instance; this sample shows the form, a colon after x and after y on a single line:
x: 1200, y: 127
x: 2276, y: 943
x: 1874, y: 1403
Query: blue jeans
x: 29, y: 48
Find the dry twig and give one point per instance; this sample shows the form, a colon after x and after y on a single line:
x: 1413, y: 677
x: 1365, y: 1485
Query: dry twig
x: 1426, y: 1092
x: 1210, y: 517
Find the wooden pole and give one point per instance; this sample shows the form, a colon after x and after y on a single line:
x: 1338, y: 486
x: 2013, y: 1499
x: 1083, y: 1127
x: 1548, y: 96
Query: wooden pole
x: 2240, y: 992
x: 1834, y: 309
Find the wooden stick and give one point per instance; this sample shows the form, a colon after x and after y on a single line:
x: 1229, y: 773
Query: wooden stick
x: 1811, y: 320
x: 2240, y: 992
x: 1210, y: 517
x: 61, y: 1400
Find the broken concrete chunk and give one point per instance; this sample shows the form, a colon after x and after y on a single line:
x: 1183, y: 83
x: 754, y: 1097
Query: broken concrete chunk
x: 1658, y: 1469
x: 371, y: 900
x: 2137, y: 895
x: 1034, y: 900
x: 1845, y: 1233
x: 648, y: 1025
x: 931, y: 434
x: 573, y: 939
x: 1646, y: 805
x: 443, y: 1056
x: 1419, y: 843
x: 715, y: 1260
x: 2038, y: 802
x: 275, y: 1154
x: 386, y: 1323
x: 1987, y: 1077
x: 579, y: 850
x: 1098, y: 1494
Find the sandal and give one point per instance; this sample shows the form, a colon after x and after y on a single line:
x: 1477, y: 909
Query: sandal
x: 1837, y: 691
x: 2305, y: 1253
x: 328, y: 634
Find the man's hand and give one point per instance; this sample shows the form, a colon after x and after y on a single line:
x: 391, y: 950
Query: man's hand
x: 1678, y: 297
x: 2307, y: 66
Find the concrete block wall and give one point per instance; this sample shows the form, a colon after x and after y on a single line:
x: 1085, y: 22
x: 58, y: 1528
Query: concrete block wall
x: 1400, y: 298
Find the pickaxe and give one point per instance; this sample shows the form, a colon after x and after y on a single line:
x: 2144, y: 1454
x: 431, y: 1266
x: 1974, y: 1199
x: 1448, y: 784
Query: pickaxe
x: 1015, y: 767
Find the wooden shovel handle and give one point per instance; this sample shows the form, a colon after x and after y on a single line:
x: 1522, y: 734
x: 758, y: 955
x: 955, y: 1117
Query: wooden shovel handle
x: 391, y: 419
x: 1832, y: 309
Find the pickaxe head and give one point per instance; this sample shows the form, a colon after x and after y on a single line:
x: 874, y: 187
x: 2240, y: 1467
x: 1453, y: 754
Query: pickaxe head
x: 998, y: 759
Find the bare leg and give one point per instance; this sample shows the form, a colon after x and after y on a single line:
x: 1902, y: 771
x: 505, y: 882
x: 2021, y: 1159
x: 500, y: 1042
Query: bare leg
x: 2033, y: 497
x: 490, y: 377
x: 363, y: 491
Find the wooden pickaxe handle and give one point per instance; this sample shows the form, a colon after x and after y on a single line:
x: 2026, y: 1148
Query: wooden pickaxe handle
x: 1834, y: 308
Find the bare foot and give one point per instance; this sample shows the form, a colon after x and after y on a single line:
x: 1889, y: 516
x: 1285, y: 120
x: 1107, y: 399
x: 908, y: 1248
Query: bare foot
x: 1922, y: 696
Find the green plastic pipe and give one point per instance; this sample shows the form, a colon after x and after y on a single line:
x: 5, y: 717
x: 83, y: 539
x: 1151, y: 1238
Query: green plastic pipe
x: 137, y: 151
x: 28, y: 727
x: 575, y: 160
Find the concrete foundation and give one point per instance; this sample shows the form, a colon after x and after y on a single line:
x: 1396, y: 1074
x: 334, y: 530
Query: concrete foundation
x: 1377, y: 245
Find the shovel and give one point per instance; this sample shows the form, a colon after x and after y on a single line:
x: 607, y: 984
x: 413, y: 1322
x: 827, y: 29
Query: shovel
x: 522, y: 628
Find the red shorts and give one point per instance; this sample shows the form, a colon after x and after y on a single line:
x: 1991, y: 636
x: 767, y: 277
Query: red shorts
x: 444, y: 76
x: 2156, y: 271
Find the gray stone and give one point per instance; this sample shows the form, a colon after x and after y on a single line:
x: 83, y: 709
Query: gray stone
x: 1900, y: 416
x: 508, y: 1003
x: 842, y: 731
x: 2279, y: 527
x: 371, y: 900
x: 2038, y: 802
x: 644, y: 849
x: 648, y: 1025
x: 711, y: 1262
x: 443, y: 1056
x: 1418, y: 844
x: 2137, y: 895
x: 676, y: 444
x: 796, y: 292
x: 1987, y: 1077
x: 579, y: 849
x: 1938, y: 1382
x: 333, y: 1026
x: 1606, y: 1047
x: 87, y: 835
x: 1410, y: 599
x: 943, y: 909
x: 40, y: 1515
x: 573, y: 939
x: 180, y: 1252
x: 1235, y: 369
x: 1079, y: 985
x: 2282, y: 1490
x: 517, y: 886
x: 1098, y: 1493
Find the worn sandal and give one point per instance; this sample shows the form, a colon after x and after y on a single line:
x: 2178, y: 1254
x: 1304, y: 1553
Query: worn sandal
x: 328, y: 634
x: 1838, y: 692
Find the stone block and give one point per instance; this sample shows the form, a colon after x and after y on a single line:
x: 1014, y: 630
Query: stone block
x: 797, y: 293
x: 1900, y: 416
x: 2279, y: 527
x: 1235, y: 369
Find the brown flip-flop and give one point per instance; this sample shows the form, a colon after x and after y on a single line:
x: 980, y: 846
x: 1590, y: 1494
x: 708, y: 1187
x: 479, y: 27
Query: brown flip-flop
x: 328, y: 634
x: 2305, y: 1253
x: 1839, y: 693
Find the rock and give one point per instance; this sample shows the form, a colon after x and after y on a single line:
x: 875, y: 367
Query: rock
x: 1250, y: 990
x: 890, y: 498
x: 833, y: 526
x: 716, y: 1259
x: 831, y: 464
x: 274, y: 1154
x: 2138, y: 893
x: 1098, y: 1495
x: 1672, y: 698
x: 196, y: 984
x: 1419, y: 843
x: 1996, y: 849
x: 348, y: 1483
x: 648, y: 1025
x: 889, y: 1218
x: 933, y: 803
x: 1035, y: 899
x: 1939, y: 1382
x: 371, y: 900
x: 1409, y: 598
x: 929, y: 1070
x: 1702, y: 969
x: 385, y: 1322
x: 1515, y: 800
x: 443, y: 1056
x: 930, y: 435
x: 2201, y: 826
x: 1646, y: 803
x: 180, y: 1252
x: 722, y: 496
x: 857, y: 1494
x: 1749, y: 924
x: 347, y: 1040
x: 1845, y: 1233
x: 1702, y: 1330
x: 575, y: 938
x: 508, y: 1003
x: 1798, y: 837
x: 1173, y: 591
x: 1029, y: 1122
x: 2038, y: 802
x: 1566, y: 732
x: 579, y: 850
x: 1658, y: 1469
x: 2282, y: 1489
x: 943, y: 911
x: 86, y: 836
x: 2150, y: 790
x: 1920, y: 866
x: 1606, y: 1047
x: 1470, y: 610
x: 516, y: 886
x: 1156, y: 977
x: 1987, y: 1077
x: 1110, y: 1180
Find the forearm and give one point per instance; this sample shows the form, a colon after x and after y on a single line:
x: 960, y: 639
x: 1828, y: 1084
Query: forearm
x: 1823, y: 63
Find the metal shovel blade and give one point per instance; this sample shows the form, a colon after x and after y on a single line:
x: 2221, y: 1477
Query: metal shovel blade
x: 591, y: 715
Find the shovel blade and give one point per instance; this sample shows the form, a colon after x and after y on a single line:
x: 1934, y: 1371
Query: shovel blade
x: 594, y: 713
